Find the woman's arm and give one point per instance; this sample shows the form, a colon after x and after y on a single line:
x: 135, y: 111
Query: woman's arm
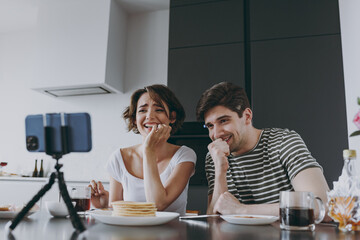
x: 155, y: 191
x: 99, y: 196
x: 116, y: 191
x: 162, y: 195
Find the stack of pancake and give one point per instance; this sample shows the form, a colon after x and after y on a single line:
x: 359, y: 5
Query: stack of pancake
x: 133, y: 209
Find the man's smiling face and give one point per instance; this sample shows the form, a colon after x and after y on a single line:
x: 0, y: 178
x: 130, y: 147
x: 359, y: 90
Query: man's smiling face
x: 227, y: 125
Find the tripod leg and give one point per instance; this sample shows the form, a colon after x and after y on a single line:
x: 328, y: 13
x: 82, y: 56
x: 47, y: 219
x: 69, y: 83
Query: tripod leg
x: 75, y: 219
x: 32, y: 202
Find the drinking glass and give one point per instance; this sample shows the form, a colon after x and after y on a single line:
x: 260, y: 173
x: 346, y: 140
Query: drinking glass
x: 297, y: 211
x: 81, y: 196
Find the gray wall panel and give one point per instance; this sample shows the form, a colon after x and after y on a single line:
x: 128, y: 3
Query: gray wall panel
x: 193, y: 70
x: 208, y: 23
x: 292, y: 18
x: 298, y: 84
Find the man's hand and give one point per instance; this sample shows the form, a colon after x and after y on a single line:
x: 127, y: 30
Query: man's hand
x: 228, y: 204
x: 219, y: 150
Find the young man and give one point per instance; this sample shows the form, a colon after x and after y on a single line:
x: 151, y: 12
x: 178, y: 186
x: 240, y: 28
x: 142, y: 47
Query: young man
x: 246, y: 168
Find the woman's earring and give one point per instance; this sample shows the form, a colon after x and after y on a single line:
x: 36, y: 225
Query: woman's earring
x: 136, y: 130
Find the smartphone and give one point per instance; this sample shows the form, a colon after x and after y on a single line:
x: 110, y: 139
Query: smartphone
x: 78, y: 128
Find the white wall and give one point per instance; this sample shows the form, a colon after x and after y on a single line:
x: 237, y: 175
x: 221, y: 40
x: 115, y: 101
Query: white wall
x: 350, y: 37
x: 147, y: 53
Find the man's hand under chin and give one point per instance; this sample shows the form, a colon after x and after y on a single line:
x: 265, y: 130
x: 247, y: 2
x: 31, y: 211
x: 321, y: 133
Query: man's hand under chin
x: 219, y: 150
x: 228, y: 204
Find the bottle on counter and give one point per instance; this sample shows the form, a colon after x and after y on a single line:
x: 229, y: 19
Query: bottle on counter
x: 35, y: 172
x: 41, y: 172
x: 344, y: 199
x: 349, y: 170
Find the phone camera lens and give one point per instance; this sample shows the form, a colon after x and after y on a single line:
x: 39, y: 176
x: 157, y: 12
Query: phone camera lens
x: 32, y: 143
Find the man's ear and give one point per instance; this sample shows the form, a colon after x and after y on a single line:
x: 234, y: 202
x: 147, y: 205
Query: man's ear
x: 172, y: 117
x: 248, y: 115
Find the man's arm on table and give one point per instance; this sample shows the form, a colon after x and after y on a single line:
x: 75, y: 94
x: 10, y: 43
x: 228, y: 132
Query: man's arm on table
x: 219, y: 150
x: 228, y: 204
x: 310, y: 180
x: 220, y: 186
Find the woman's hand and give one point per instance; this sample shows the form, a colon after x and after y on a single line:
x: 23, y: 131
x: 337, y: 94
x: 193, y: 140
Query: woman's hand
x: 159, y: 134
x: 99, y: 196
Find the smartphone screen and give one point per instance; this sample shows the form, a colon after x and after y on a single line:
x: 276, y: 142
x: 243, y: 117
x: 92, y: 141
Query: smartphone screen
x: 78, y: 134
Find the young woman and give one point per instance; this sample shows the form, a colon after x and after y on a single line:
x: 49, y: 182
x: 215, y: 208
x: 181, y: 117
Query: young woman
x: 155, y: 170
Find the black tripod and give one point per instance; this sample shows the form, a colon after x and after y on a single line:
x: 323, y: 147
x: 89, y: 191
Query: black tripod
x: 75, y: 219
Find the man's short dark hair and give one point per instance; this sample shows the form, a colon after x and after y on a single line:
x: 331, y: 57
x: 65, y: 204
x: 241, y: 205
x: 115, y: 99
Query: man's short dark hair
x: 224, y: 94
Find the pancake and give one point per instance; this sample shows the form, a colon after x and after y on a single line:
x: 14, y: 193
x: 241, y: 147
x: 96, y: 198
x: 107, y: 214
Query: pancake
x: 133, y: 209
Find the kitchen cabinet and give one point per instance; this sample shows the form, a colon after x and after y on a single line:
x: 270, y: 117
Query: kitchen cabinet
x: 174, y: 3
x: 284, y: 19
x: 16, y: 190
x: 20, y: 191
x: 206, y: 24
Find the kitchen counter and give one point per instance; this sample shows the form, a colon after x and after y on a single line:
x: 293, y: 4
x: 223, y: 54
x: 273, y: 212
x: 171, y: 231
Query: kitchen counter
x: 41, y: 179
x: 42, y: 226
x: 18, y: 178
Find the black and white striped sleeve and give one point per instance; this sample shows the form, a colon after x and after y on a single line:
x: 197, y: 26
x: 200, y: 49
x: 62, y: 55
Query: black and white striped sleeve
x: 294, y: 154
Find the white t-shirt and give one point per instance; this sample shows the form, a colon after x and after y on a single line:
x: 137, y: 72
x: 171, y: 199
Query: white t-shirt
x: 133, y: 187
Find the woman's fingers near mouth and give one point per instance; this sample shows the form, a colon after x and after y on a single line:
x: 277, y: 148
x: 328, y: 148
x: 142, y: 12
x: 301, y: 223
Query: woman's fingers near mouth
x: 160, y: 126
x: 157, y: 127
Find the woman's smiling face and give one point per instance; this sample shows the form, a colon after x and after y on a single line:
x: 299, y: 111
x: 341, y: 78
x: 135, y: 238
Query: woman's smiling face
x: 150, y: 113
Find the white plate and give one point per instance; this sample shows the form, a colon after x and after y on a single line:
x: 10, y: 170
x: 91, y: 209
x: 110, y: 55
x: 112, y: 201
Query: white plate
x: 249, y: 219
x: 160, y: 218
x: 12, y: 214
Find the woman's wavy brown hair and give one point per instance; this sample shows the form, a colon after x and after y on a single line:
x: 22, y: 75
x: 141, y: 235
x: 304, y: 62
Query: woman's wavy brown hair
x: 161, y: 94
